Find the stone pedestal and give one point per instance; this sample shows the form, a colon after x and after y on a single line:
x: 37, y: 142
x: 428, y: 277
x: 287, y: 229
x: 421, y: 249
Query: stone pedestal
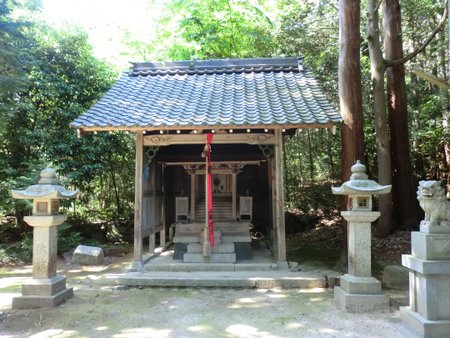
x: 429, y: 282
x: 358, y: 290
x: 46, y: 289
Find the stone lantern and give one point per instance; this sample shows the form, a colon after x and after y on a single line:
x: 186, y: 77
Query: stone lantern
x: 358, y: 290
x: 46, y: 288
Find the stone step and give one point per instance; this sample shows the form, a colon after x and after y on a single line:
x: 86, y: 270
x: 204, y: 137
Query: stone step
x: 215, y: 212
x: 218, y: 248
x: 186, y: 238
x: 217, y: 237
x: 213, y: 258
x: 224, y: 215
x: 237, y: 237
x: 241, y: 228
x: 195, y: 237
x: 216, y: 207
x: 222, y: 226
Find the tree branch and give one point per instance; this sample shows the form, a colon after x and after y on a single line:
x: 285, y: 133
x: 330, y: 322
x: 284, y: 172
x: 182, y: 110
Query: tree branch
x: 378, y: 5
x: 425, y: 44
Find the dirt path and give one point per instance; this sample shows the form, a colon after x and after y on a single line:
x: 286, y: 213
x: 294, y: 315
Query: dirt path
x: 105, y: 311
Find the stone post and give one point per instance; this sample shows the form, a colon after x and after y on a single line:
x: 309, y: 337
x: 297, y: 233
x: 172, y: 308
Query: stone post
x: 429, y: 266
x: 358, y: 290
x: 46, y: 288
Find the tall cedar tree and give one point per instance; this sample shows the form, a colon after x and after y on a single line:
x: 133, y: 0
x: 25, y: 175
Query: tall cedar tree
x: 350, y: 97
x: 385, y: 224
x: 404, y: 185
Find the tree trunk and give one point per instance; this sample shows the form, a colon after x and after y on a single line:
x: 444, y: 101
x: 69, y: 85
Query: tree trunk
x: 350, y: 97
x: 311, y: 162
x: 404, y: 187
x: 115, y: 189
x: 300, y: 157
x: 446, y: 113
x: 385, y: 223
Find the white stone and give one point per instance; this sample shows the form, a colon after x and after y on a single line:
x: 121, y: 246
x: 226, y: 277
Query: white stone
x: 395, y: 277
x: 88, y: 255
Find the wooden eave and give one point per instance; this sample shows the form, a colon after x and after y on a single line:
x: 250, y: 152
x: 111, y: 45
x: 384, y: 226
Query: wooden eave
x: 203, y: 128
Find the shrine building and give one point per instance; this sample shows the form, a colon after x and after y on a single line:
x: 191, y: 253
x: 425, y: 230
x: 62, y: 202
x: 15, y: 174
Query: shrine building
x: 209, y: 150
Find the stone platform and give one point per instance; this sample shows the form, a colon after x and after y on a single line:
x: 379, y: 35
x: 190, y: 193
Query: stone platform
x: 260, y: 272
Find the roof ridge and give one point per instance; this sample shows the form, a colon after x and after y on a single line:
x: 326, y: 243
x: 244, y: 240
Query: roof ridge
x: 217, y: 66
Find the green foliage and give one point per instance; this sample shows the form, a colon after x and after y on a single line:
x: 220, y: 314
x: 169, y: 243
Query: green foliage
x: 314, y: 197
x: 68, y: 240
x: 11, y: 75
x: 49, y: 76
x: 204, y: 29
x: 19, y: 252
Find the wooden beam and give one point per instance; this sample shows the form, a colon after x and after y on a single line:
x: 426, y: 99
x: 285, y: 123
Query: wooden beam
x: 279, y: 199
x: 165, y: 140
x: 200, y: 129
x: 138, y: 198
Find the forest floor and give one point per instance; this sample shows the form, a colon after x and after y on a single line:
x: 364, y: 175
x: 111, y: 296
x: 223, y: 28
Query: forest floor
x: 99, y: 310
x: 325, y: 242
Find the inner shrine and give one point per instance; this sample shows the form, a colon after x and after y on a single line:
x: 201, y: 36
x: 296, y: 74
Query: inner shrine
x: 209, y: 150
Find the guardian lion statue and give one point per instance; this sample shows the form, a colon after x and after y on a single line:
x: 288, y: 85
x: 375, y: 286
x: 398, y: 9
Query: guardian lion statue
x: 432, y: 200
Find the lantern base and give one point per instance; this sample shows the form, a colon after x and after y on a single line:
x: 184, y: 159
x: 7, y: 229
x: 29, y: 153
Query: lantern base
x: 423, y: 326
x: 43, y: 292
x: 359, y: 303
x: 360, y: 294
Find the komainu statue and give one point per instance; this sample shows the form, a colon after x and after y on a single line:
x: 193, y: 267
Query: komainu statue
x: 432, y: 200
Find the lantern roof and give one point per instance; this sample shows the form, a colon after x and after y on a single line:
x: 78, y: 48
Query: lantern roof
x: 359, y: 183
x: 47, y: 187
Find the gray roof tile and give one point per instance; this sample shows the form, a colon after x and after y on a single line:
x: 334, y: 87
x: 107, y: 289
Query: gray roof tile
x: 195, y: 94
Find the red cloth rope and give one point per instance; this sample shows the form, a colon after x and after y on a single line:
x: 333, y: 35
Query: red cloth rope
x: 209, y: 138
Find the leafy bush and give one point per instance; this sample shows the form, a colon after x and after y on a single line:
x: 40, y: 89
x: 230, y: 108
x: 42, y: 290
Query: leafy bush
x: 67, y: 238
x: 316, y: 196
x: 20, y: 252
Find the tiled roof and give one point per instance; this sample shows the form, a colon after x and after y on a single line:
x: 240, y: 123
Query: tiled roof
x: 241, y: 93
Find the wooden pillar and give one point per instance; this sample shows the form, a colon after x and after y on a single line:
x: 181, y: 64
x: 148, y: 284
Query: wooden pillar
x: 233, y: 194
x: 162, y: 237
x: 163, y: 203
x: 138, y: 199
x: 152, y: 243
x: 193, y: 197
x: 206, y: 251
x: 273, y: 205
x: 279, y: 197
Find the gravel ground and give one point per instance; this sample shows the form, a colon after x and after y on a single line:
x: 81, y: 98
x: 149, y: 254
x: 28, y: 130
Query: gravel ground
x: 116, y: 312
x: 107, y: 311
